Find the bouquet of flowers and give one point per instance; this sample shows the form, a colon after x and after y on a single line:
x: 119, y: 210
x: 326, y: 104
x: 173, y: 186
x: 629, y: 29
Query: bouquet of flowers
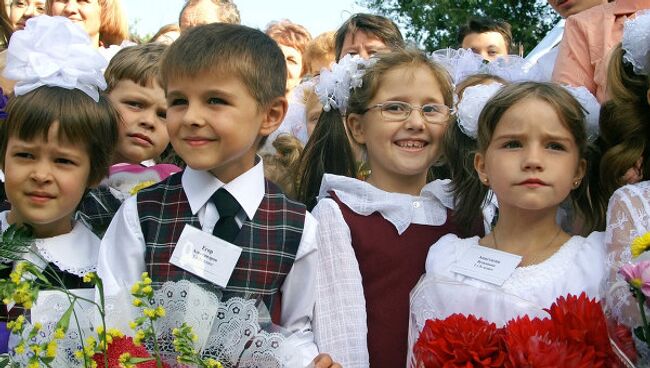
x: 178, y: 325
x: 493, y: 329
x: 637, y: 277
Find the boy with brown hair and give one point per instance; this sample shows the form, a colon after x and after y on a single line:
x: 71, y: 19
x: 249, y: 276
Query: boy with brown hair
x: 225, y: 93
x: 135, y: 90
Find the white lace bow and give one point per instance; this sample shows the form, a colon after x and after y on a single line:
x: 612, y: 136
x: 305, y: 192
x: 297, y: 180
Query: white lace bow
x: 333, y: 88
x: 471, y: 105
x: 53, y: 51
x: 592, y: 109
x: 636, y: 42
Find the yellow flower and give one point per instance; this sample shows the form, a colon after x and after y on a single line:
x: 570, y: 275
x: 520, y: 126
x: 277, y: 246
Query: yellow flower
x: 38, y: 326
x: 89, y: 277
x: 160, y: 311
x: 15, y: 277
x: 151, y: 313
x: 36, y: 349
x: 146, y: 281
x: 114, y: 332
x: 59, y: 334
x: 33, y: 364
x: 139, y: 336
x: 51, y: 349
x: 211, y: 363
x: 137, y: 302
x: 79, y: 354
x: 20, y: 348
x: 133, y: 325
x: 125, y: 360
x: 144, y: 275
x: 640, y: 244
x: 147, y: 289
x: 135, y: 288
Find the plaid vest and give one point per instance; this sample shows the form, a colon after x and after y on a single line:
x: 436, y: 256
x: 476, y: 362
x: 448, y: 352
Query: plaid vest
x: 97, y: 209
x: 269, y: 241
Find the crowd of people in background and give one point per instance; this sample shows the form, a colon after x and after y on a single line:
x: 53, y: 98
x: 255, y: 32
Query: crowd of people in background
x: 344, y: 165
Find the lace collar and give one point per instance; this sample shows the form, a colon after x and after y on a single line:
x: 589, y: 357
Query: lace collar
x: 401, y: 210
x: 75, y: 252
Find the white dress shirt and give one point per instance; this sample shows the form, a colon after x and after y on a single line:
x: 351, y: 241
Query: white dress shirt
x: 121, y: 255
x: 543, y: 56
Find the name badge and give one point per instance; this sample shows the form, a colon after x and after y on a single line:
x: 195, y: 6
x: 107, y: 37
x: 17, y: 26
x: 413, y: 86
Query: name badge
x: 205, y: 255
x: 487, y: 264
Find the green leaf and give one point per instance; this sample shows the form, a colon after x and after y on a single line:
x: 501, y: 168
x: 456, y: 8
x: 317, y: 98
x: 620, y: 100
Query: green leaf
x: 4, y: 363
x: 638, y: 332
x: 64, y: 322
x: 136, y: 360
x: 16, y: 241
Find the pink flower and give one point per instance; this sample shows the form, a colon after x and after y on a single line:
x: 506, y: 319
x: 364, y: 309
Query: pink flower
x: 637, y: 275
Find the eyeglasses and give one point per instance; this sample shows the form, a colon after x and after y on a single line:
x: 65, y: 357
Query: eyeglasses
x: 395, y: 111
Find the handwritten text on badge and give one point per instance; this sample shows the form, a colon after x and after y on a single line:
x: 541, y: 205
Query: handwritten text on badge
x: 205, y: 255
x: 487, y: 264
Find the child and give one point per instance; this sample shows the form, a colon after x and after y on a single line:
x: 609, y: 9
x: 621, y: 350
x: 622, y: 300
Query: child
x: 375, y: 234
x: 225, y: 92
x: 134, y: 89
x: 625, y: 132
x: 56, y: 143
x: 531, y: 151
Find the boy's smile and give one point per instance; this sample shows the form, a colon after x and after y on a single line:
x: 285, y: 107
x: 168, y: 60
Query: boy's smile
x: 215, y: 124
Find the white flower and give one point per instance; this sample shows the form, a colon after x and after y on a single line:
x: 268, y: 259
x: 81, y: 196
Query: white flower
x: 53, y: 51
x: 471, y: 104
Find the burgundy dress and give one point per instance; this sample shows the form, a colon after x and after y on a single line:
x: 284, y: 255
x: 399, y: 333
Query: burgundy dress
x: 390, y: 265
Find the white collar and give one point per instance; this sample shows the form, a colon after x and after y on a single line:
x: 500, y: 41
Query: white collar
x: 401, y: 210
x: 74, y: 252
x: 247, y: 188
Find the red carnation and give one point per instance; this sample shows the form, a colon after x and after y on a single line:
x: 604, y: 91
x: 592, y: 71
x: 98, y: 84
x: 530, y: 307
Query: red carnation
x: 460, y: 341
x: 121, y: 345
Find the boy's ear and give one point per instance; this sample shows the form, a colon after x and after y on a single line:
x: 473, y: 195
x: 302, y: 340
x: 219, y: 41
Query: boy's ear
x: 355, y: 127
x: 479, y: 166
x: 274, y: 115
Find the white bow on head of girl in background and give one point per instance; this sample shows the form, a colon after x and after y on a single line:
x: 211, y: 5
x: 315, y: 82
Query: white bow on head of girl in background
x: 636, y: 42
x: 55, y: 52
x: 334, y: 85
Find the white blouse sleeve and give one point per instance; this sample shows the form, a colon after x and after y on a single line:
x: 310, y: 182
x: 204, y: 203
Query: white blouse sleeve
x: 628, y: 216
x: 121, y: 253
x: 339, y: 324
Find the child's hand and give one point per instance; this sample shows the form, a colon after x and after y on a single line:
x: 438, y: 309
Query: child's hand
x: 324, y: 361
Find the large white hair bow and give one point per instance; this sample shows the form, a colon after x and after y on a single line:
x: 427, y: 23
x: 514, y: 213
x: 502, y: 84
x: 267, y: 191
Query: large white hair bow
x: 53, y: 51
x: 636, y: 42
x: 592, y: 108
x: 333, y: 88
x: 471, y: 105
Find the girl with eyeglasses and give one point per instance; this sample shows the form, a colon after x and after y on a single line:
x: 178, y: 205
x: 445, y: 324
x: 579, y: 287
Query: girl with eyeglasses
x: 374, y: 234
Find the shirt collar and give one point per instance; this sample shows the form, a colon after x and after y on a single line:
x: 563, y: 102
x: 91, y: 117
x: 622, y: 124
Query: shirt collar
x: 248, y: 188
x: 625, y: 7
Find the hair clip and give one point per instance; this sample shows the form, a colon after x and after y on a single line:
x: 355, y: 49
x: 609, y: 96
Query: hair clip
x: 53, y: 51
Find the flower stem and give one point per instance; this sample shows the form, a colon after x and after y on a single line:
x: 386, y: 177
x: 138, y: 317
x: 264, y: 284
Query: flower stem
x: 640, y: 297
